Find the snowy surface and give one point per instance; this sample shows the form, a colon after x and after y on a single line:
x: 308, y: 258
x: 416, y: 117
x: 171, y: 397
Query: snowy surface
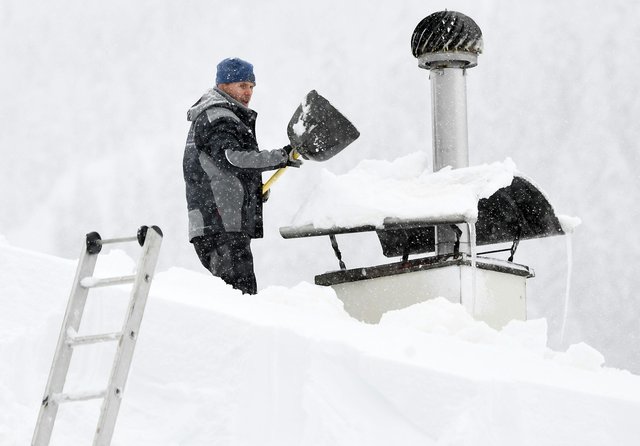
x: 404, y: 188
x: 290, y: 367
x: 94, y: 99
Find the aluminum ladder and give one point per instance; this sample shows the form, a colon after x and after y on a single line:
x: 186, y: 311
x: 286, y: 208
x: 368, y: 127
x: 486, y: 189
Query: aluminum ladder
x: 150, y: 238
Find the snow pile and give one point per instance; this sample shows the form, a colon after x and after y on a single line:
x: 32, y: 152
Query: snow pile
x: 404, y: 188
x: 441, y: 317
x: 289, y: 367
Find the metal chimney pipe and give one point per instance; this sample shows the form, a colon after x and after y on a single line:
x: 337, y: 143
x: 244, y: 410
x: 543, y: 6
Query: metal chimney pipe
x: 447, y: 43
x: 449, y: 111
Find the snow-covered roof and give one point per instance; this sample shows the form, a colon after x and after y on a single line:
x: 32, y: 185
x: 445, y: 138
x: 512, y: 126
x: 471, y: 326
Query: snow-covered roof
x: 289, y: 366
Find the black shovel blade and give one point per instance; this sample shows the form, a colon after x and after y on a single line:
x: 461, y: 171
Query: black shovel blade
x: 317, y: 130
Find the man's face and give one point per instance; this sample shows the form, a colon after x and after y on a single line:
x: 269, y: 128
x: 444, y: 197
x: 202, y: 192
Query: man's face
x: 240, y: 91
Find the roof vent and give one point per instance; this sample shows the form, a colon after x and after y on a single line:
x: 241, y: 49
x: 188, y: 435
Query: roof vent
x: 447, y: 32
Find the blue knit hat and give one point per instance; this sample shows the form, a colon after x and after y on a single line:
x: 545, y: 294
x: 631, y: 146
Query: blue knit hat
x: 234, y: 70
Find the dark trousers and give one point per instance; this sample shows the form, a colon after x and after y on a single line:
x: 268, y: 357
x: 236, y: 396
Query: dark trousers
x: 229, y: 257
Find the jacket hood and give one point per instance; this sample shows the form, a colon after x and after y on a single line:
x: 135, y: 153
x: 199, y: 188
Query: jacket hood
x: 212, y: 98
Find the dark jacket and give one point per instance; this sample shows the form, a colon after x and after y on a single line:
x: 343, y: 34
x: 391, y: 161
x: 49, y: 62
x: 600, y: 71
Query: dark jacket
x: 222, y: 167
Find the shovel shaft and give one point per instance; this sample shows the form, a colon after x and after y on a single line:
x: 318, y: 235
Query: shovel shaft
x: 266, y: 186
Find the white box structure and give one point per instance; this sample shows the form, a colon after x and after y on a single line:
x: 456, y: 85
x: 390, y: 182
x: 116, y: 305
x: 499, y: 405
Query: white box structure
x: 500, y: 287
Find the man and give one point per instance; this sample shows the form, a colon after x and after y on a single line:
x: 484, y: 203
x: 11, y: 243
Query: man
x: 222, y: 169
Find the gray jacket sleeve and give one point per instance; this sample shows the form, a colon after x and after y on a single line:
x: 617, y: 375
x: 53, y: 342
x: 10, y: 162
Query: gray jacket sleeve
x: 226, y: 129
x: 262, y: 160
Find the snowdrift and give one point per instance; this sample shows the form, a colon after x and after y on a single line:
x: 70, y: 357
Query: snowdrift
x: 290, y: 367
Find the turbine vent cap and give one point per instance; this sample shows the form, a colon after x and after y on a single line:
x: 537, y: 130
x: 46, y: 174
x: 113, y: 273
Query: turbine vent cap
x: 446, y: 32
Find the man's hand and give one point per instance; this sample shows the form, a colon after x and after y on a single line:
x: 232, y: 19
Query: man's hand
x: 293, y: 156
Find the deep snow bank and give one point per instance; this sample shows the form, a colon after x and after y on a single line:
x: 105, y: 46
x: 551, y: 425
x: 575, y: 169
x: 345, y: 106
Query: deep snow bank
x: 290, y: 367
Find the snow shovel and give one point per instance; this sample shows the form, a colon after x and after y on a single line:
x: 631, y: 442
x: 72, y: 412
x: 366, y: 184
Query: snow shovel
x: 317, y: 131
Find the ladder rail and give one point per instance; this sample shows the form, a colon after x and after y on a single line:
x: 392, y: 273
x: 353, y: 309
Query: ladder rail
x: 127, y: 342
x: 63, y: 352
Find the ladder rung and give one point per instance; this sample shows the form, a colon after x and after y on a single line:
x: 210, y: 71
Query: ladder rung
x: 108, y: 241
x: 78, y: 396
x: 95, y: 282
x: 93, y: 339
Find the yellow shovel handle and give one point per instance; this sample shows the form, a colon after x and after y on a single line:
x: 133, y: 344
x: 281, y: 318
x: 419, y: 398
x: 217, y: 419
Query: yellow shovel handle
x: 266, y: 186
